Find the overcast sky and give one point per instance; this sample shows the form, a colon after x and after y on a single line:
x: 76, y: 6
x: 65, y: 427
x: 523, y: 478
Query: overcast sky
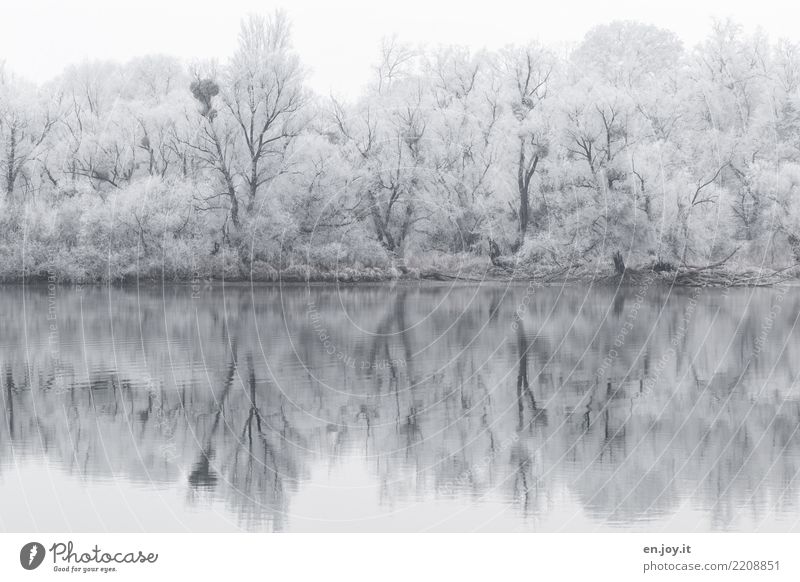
x: 337, y: 39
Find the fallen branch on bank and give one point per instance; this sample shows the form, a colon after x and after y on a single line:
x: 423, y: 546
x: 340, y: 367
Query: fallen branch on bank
x: 437, y: 276
x: 726, y: 278
x: 694, y: 268
x: 716, y: 275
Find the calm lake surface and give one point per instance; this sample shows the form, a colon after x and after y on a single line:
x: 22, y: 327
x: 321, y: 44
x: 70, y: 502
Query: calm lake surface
x: 399, y: 408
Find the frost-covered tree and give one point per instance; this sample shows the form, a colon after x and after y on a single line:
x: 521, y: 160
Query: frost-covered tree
x: 27, y: 118
x: 263, y: 92
x: 629, y: 149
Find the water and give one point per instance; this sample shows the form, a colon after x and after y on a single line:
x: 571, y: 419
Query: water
x: 400, y: 408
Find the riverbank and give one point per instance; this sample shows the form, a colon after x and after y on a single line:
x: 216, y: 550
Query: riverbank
x: 475, y: 271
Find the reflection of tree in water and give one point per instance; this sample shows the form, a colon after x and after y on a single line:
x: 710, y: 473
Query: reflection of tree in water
x: 524, y: 453
x: 524, y: 392
x: 203, y: 475
x: 467, y: 406
x: 8, y: 407
x: 255, y: 445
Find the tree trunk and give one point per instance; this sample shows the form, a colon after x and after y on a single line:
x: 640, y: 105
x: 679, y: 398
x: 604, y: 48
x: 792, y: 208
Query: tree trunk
x: 227, y: 178
x: 525, y: 171
x: 619, y: 263
x: 494, y: 252
x: 230, y: 190
x: 794, y: 244
x: 253, y: 185
x: 382, y: 230
x: 11, y: 174
x: 234, y: 202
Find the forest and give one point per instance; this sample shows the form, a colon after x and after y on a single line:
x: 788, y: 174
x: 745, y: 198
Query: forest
x: 628, y: 150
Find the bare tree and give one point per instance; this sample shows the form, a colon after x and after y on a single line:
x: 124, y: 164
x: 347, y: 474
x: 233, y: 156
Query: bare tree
x: 24, y: 128
x: 213, y: 143
x: 527, y: 72
x: 265, y: 96
x: 396, y: 59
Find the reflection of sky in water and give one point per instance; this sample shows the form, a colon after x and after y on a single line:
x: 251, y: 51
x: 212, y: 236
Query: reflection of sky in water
x: 402, y: 408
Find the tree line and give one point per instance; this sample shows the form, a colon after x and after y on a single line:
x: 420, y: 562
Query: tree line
x: 627, y: 149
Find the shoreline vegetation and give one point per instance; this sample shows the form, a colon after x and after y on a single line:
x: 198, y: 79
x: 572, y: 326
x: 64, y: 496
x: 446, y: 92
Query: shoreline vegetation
x: 471, y: 270
x: 627, y: 158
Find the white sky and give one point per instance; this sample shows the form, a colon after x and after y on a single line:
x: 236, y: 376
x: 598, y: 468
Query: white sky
x: 338, y: 39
